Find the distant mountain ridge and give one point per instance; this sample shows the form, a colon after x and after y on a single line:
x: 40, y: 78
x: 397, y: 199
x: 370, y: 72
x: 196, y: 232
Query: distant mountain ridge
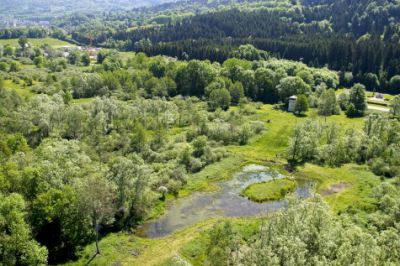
x: 59, y: 7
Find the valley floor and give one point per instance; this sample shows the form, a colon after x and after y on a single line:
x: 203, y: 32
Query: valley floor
x: 349, y: 186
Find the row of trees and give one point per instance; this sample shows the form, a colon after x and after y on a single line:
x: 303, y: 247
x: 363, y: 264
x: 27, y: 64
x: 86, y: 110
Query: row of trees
x: 329, y: 144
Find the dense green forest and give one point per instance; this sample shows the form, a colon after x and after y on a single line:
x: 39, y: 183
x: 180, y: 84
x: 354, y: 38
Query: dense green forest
x: 117, y: 127
x: 360, y: 37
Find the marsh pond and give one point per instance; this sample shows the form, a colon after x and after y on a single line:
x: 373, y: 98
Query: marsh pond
x: 226, y: 202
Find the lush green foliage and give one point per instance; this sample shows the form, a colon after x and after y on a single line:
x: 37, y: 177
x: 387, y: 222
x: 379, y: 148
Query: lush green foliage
x: 97, y: 141
x: 329, y: 144
x: 307, y: 234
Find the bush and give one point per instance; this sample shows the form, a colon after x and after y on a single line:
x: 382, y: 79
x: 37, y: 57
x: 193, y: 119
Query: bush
x: 219, y: 98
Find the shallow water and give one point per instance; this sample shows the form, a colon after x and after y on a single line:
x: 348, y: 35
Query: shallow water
x: 225, y: 202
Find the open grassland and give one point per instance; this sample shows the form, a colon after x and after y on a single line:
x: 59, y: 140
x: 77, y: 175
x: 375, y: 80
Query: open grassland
x: 37, y: 42
x: 270, y: 147
x: 358, y: 181
x: 22, y: 91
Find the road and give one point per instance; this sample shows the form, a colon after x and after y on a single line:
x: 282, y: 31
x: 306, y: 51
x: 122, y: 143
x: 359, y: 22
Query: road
x: 377, y: 108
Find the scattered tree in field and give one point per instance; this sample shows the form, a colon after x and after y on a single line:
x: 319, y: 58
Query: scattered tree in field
x: 394, y: 107
x: 96, y: 196
x: 221, y: 244
x: 371, y: 81
x: 39, y: 61
x: 327, y: 104
x: 73, y: 58
x: 8, y: 50
x: 357, y: 101
x: 101, y: 56
x: 301, y: 105
x: 219, y: 98
x: 3, y: 66
x: 85, y: 59
x: 237, y: 92
x: 303, y: 144
x: 23, y: 42
x: 15, y: 66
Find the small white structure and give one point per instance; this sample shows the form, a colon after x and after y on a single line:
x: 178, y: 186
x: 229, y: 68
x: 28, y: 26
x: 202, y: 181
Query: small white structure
x: 379, y: 96
x: 292, y: 103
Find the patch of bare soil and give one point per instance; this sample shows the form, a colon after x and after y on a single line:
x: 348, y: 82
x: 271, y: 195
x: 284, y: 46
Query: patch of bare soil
x: 335, y: 188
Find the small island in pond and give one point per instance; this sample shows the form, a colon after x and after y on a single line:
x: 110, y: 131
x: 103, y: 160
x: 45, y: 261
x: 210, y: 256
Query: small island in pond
x: 268, y: 191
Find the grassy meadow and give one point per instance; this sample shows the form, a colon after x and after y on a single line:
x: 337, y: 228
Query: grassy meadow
x: 37, y: 42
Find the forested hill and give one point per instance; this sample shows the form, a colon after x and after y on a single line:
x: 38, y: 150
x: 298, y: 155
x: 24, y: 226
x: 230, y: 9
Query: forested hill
x: 357, y: 36
x: 356, y: 17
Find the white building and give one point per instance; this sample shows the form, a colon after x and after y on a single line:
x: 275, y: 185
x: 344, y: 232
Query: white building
x: 292, y: 103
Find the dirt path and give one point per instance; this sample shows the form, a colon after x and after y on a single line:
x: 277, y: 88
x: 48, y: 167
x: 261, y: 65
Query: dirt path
x: 169, y: 246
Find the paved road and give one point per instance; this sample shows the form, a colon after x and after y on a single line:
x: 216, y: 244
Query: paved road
x: 377, y: 108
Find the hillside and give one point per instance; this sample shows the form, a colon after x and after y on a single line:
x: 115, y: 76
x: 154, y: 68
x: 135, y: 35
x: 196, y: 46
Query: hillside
x: 359, y: 37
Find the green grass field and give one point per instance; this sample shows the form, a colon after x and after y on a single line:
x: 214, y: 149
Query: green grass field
x: 357, y: 194
x: 267, y: 191
x: 37, y: 42
x: 22, y: 91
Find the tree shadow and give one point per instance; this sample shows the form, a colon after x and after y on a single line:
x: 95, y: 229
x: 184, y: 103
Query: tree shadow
x: 91, y: 259
x: 299, y: 115
x: 292, y: 165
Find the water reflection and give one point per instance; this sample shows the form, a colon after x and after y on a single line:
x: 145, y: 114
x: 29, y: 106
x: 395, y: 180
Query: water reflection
x: 225, y: 202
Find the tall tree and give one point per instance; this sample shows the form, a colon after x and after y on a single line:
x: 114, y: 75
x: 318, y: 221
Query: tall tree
x: 357, y: 101
x: 219, y: 98
x: 327, y: 104
x: 16, y: 244
x: 194, y: 78
x: 301, y: 105
x: 237, y: 92
x: 395, y: 106
x: 292, y: 86
x: 96, y: 196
